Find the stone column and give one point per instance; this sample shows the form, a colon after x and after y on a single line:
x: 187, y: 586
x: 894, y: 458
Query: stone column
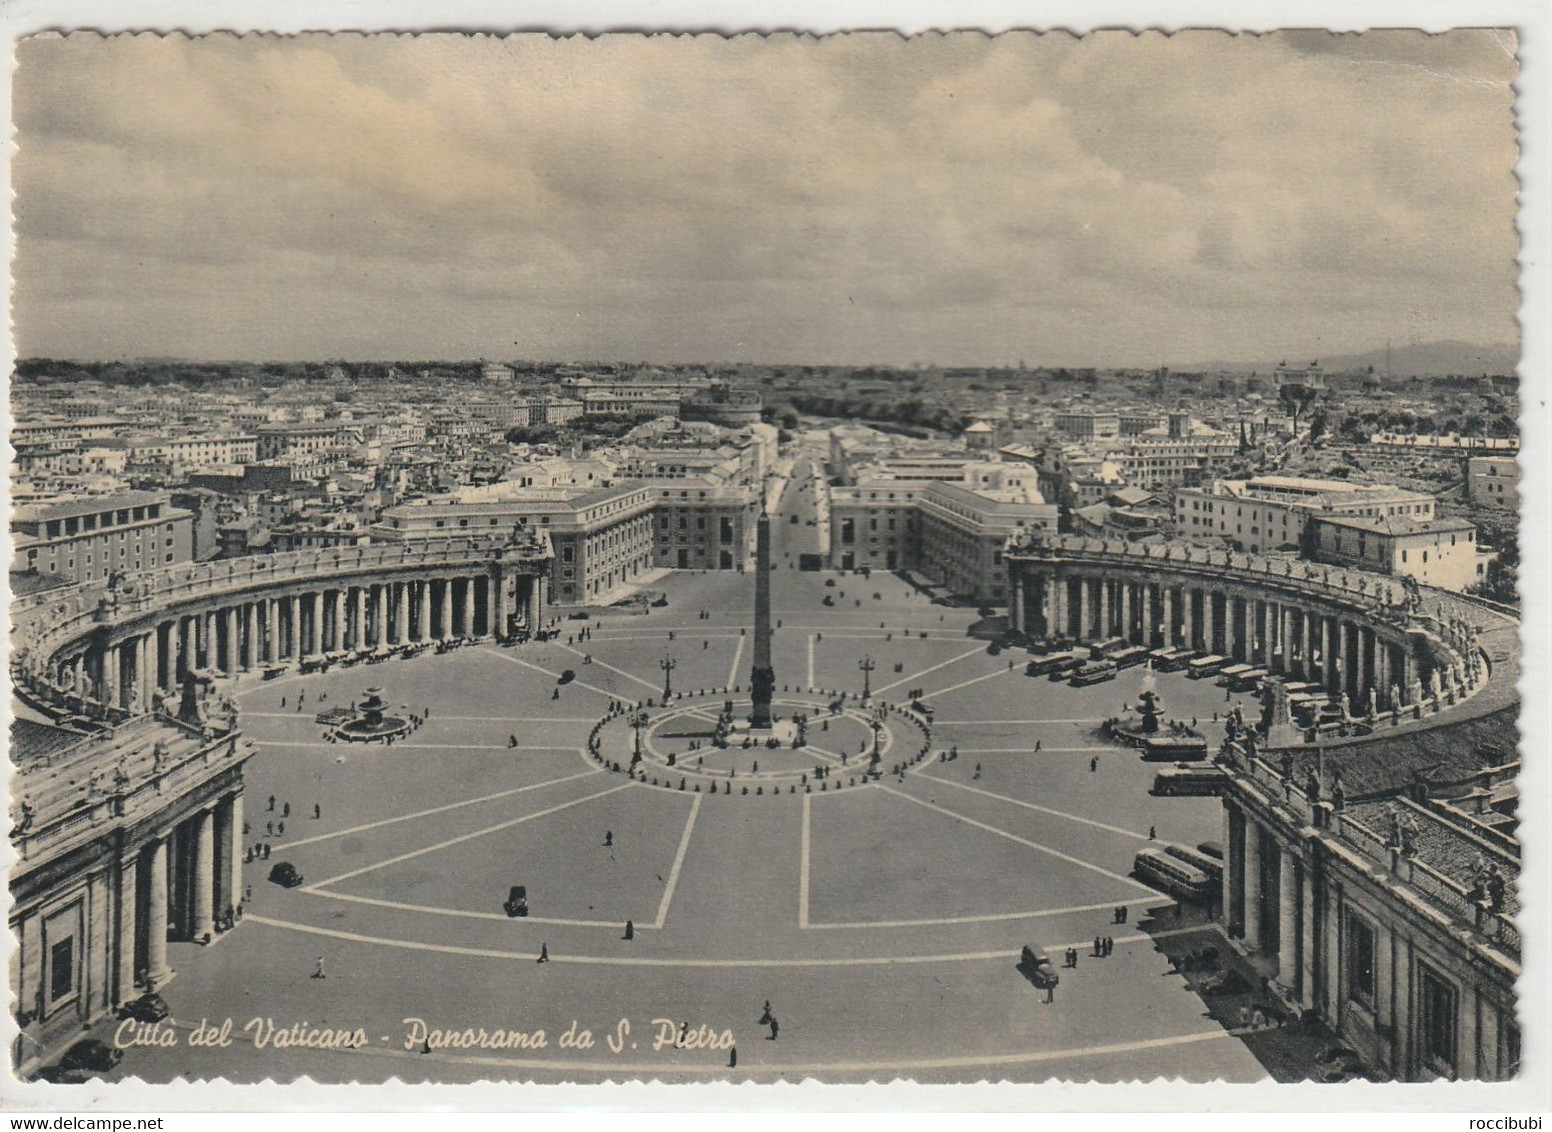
x: 314, y: 623
x: 1167, y: 615
x: 1016, y: 605
x: 358, y: 638
x: 294, y: 629
x: 1250, y: 629
x: 1287, y: 919
x: 1145, y: 599
x: 498, y: 603
x: 124, y: 955
x: 423, y: 620
x: 535, y: 602
x: 1327, y: 668
x: 1307, y: 938
x: 234, y: 854
x: 377, y: 602
x: 341, y: 616
x: 221, y: 864
x: 233, y: 640
x: 1209, y: 638
x: 401, y: 592
x: 110, y: 675
x: 157, y: 971
x: 1252, y: 885
x: 1229, y: 890
x: 1085, y: 610
x: 1126, y: 611
x: 1104, y: 609
x: 202, y: 882
x: 1344, y: 664
x: 1287, y: 637
x: 212, y: 638
x: 148, y: 663
x: 446, y: 627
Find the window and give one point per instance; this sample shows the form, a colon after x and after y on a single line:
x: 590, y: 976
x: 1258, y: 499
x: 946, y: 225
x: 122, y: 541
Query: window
x: 62, y: 969
x: 1360, y: 961
x: 1436, y: 1020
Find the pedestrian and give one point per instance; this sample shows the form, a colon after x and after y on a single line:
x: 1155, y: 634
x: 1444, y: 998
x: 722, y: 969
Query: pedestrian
x: 1050, y: 991
x: 282, y: 701
x: 1037, y: 745
x: 775, y: 1026
x: 269, y: 828
x: 280, y: 829
x: 271, y: 804
x: 733, y: 1058
x: 1094, y: 764
x: 630, y: 929
x: 318, y: 971
x: 1153, y: 832
x: 1098, y: 943
x: 285, y: 810
x: 1126, y: 912
x: 317, y: 811
x: 608, y: 839
x: 544, y: 953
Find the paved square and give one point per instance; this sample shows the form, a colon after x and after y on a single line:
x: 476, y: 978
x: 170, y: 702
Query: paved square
x: 882, y: 920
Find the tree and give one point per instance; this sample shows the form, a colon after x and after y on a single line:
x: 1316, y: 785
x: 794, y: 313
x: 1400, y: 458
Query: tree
x: 1296, y: 398
x: 1318, y: 424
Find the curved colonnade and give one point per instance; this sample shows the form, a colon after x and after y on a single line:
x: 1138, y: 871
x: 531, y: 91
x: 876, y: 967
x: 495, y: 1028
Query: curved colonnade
x: 113, y: 651
x: 1388, y: 651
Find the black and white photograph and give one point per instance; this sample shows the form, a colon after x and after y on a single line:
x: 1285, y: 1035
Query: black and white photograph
x: 764, y: 558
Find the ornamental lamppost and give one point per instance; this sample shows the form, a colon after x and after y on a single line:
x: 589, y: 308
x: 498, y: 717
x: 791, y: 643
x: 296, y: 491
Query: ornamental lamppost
x: 867, y: 666
x: 668, y: 664
x: 638, y: 723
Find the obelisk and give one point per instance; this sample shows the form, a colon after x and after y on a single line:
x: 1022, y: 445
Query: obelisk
x: 762, y: 677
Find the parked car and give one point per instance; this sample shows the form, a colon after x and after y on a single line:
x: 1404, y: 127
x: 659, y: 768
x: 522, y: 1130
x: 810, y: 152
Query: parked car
x: 579, y: 615
x: 1037, y: 968
x: 517, y: 901
x: 149, y: 1007
x: 88, y: 1058
x: 285, y: 875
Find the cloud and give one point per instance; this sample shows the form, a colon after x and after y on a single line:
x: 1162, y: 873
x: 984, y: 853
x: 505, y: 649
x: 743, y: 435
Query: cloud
x: 1112, y: 200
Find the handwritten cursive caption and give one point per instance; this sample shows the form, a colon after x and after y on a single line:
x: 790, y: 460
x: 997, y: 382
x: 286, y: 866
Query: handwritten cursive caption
x: 264, y: 1033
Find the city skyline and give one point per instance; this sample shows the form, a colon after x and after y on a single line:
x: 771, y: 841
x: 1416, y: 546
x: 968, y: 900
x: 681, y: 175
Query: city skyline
x: 949, y: 200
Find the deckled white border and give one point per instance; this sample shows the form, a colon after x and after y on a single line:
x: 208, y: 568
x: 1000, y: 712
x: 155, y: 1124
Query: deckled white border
x: 1531, y: 1093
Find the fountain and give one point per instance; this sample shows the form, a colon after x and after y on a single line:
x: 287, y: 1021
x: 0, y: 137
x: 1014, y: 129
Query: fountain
x: 370, y: 721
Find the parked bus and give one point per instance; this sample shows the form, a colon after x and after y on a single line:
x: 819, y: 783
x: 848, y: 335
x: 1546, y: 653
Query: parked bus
x: 1095, y: 672
x: 1207, y: 866
x: 1054, y: 662
x: 1213, y: 849
x: 1130, y: 656
x: 1171, y: 659
x: 1070, y: 663
x: 1106, y: 649
x: 1174, y: 748
x: 1157, y: 868
x: 1189, y: 779
x: 1247, y: 681
x: 1231, y: 672
x: 1204, y: 666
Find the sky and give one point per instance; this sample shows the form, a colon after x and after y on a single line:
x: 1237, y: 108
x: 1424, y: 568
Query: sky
x: 1115, y: 200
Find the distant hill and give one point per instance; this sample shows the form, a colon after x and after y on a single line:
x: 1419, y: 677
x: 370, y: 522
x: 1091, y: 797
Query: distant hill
x: 1419, y: 358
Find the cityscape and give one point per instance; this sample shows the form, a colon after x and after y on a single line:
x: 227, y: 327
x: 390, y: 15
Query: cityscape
x: 510, y: 715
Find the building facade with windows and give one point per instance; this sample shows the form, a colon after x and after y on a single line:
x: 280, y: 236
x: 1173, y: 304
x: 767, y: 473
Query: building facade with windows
x: 602, y: 536
x: 1434, y: 552
x: 1494, y: 480
x: 953, y: 532
x: 703, y: 524
x: 89, y: 538
x: 1271, y: 512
